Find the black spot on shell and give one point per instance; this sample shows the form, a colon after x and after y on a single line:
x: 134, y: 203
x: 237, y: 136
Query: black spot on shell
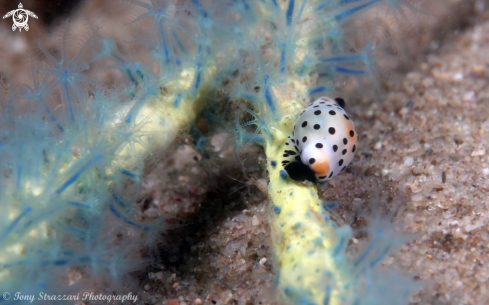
x: 285, y: 162
x: 352, y: 133
x: 286, y: 143
x: 317, y: 126
x: 340, y: 102
x: 291, y: 152
x: 335, y: 148
x: 331, y: 175
x: 344, y: 151
x: 346, y: 117
x: 319, y: 145
x: 285, y: 155
x: 316, y: 106
x: 317, y: 112
x: 304, y: 124
x: 296, y: 148
x: 354, y: 148
x: 304, y: 139
x: 332, y: 112
x: 331, y: 130
x: 345, y: 141
x: 312, y: 160
x: 341, y: 162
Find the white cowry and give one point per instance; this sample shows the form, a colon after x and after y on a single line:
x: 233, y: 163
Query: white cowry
x: 324, y: 139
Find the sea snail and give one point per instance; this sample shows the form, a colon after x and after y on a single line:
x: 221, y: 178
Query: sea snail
x: 323, y: 142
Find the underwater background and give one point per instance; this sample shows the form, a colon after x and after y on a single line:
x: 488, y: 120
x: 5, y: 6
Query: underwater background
x: 141, y: 146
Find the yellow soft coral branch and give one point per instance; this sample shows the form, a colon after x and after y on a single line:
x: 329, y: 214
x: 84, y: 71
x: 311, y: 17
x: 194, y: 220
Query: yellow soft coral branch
x: 302, y: 234
x: 161, y: 120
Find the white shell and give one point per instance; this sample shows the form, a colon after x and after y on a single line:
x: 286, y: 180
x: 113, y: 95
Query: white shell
x: 324, y: 139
